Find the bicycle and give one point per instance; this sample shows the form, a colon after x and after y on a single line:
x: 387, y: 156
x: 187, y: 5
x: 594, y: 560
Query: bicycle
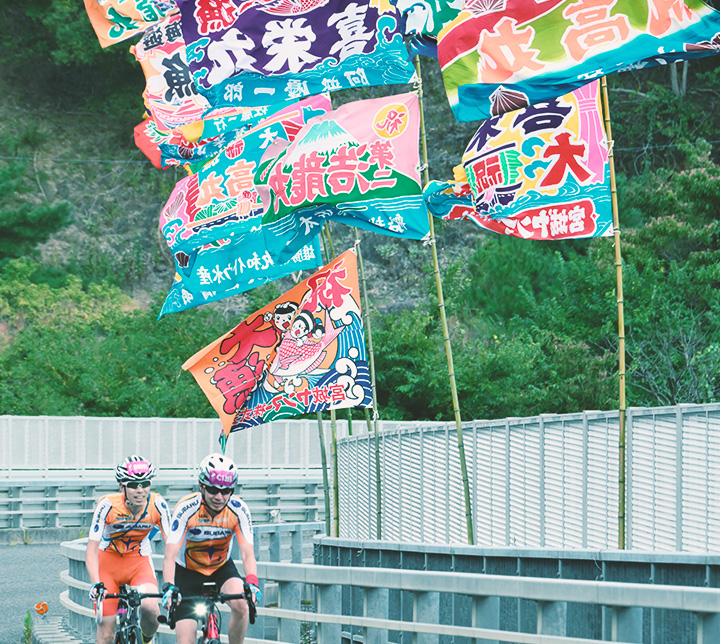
x: 128, y: 629
x: 207, y: 612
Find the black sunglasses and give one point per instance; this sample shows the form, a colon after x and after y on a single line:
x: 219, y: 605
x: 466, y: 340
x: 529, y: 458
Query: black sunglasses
x: 134, y: 485
x: 225, y: 491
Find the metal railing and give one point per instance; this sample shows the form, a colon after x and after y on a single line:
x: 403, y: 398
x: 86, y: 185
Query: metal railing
x: 43, y: 504
x: 622, y: 605
x: 544, y: 481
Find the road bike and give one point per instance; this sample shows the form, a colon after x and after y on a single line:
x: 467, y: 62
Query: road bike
x: 207, y: 613
x: 127, y: 630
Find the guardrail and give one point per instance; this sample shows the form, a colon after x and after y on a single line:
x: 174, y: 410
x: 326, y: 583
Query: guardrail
x: 42, y: 504
x: 547, y: 481
x: 622, y: 605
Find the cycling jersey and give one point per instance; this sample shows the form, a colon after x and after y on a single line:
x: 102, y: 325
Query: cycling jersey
x: 206, y: 540
x: 117, y: 530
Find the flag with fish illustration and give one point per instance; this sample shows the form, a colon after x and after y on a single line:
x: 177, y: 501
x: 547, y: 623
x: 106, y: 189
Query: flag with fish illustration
x: 118, y: 20
x: 254, y: 53
x: 300, y: 354
x: 501, y: 55
x: 537, y: 173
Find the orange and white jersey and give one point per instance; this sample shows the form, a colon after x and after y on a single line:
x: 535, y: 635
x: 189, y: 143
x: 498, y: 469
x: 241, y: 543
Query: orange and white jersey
x: 206, y: 540
x: 117, y: 530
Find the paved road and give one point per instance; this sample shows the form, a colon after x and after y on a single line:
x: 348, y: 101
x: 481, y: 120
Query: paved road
x: 29, y: 574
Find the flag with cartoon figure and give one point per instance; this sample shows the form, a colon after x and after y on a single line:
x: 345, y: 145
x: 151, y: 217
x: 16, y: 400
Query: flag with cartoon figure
x: 537, y: 173
x: 118, y: 20
x: 300, y: 354
x: 501, y: 55
x: 255, y: 53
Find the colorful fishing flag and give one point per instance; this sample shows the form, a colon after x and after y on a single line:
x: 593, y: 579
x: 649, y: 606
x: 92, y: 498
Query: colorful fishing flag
x: 501, y: 55
x: 358, y: 165
x: 226, y: 268
x: 196, y: 143
x: 254, y: 53
x: 537, y: 173
x: 426, y: 17
x: 221, y: 200
x: 170, y: 94
x: 118, y: 20
x: 300, y: 354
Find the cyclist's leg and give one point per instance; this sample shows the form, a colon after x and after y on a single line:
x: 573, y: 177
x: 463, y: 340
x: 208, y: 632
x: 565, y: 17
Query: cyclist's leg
x: 229, y: 581
x: 185, y: 631
x: 190, y: 584
x: 143, y: 578
x: 108, y: 569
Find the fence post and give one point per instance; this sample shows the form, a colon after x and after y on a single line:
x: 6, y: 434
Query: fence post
x: 329, y: 602
x: 426, y: 608
x: 375, y: 604
x: 289, y: 598
x: 485, y: 614
x: 626, y: 624
x: 552, y: 618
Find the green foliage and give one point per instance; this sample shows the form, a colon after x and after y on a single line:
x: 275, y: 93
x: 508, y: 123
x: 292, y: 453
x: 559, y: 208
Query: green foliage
x: 27, y: 637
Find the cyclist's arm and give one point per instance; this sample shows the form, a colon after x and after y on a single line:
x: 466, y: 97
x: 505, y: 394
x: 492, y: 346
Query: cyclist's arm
x: 91, y: 561
x: 172, y: 550
x: 102, y: 509
x: 162, y: 508
x: 248, y: 558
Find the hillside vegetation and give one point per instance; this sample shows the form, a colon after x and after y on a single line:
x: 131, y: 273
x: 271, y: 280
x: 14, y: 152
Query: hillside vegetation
x: 83, y: 270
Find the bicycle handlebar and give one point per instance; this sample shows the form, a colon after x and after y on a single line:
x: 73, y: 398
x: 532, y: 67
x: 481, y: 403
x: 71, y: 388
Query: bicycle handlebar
x: 214, y: 597
x: 133, y: 597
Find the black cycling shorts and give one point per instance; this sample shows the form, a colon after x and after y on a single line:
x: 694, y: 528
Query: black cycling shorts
x: 191, y: 583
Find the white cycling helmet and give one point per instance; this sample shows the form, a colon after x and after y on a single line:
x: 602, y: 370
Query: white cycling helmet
x: 217, y: 470
x: 134, y: 468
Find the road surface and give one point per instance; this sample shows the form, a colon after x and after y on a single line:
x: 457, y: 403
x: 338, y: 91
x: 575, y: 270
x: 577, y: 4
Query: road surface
x: 30, y: 573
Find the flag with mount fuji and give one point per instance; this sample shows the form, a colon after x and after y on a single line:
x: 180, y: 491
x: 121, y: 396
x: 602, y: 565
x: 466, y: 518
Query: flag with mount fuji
x: 357, y: 165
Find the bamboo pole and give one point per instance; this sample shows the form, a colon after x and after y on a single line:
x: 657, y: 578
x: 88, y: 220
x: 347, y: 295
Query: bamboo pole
x: 336, y: 487
x: 373, y: 387
x: 621, y: 323
x: 323, y: 458
x: 443, y: 321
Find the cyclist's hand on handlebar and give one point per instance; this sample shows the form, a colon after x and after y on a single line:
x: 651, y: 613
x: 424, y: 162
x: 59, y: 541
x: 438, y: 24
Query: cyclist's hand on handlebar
x: 171, y: 595
x: 253, y: 582
x: 97, y: 591
x: 256, y: 592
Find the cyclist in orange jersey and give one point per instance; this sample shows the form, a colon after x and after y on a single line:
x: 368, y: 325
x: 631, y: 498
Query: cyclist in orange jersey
x: 118, y: 550
x: 197, y: 549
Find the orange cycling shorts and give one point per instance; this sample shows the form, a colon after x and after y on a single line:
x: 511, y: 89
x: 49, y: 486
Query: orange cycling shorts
x: 115, y: 570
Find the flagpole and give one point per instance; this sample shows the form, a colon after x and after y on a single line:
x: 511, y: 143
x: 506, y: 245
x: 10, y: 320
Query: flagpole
x: 373, y: 388
x: 443, y: 320
x: 621, y: 323
x: 323, y: 458
x: 336, y: 488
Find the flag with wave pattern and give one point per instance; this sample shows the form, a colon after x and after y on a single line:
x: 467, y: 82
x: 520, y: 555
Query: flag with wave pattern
x: 537, y: 173
x: 255, y: 53
x: 303, y: 353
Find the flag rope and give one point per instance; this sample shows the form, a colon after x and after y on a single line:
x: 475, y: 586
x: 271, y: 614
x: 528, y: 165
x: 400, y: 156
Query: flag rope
x: 443, y: 320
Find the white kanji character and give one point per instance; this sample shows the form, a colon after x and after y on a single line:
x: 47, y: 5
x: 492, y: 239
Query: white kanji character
x: 288, y: 42
x: 295, y: 88
x: 350, y: 24
x: 267, y: 261
x: 576, y: 216
x: 254, y: 262
x: 558, y: 222
x: 204, y: 275
x: 357, y: 77
x: 309, y: 224
x: 187, y: 297
x: 229, y: 55
x: 331, y: 84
